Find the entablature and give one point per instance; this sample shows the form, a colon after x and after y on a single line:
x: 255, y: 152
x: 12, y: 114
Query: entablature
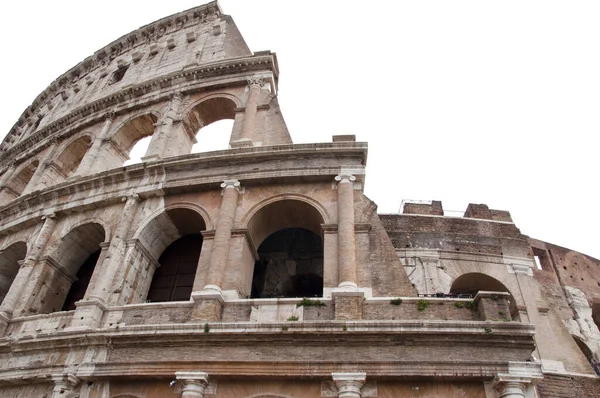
x: 196, y: 172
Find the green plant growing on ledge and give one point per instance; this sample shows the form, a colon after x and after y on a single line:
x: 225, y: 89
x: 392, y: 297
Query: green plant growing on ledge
x: 396, y: 301
x: 471, y: 305
x: 488, y: 330
x: 284, y: 328
x: 422, y: 305
x: 310, y: 303
x: 293, y: 318
x: 459, y: 304
x: 206, y: 328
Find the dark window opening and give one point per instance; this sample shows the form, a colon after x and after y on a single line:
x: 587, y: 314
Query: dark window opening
x: 118, y: 75
x: 290, y: 264
x: 84, y: 275
x: 174, y: 279
x: 541, y: 259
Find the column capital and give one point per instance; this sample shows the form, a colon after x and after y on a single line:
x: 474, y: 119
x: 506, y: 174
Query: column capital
x: 49, y: 216
x: 63, y: 383
x: 192, y: 384
x: 231, y: 184
x: 131, y: 196
x: 110, y: 115
x: 255, y: 81
x: 349, y: 384
x: 345, y: 177
x: 520, y: 375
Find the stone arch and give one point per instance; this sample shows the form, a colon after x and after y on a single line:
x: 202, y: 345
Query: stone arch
x: 324, y: 215
x: 208, y: 110
x: 20, y: 179
x: 171, y: 242
x: 585, y: 349
x: 134, y: 129
x: 10, y: 257
x: 87, y: 220
x: 71, y: 154
x: 70, y: 267
x: 473, y: 282
x: 194, y: 207
x: 288, y: 236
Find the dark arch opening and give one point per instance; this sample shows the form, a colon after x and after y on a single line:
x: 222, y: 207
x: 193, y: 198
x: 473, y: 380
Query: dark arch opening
x: 83, y: 277
x: 596, y: 313
x: 473, y: 282
x: 174, y: 279
x: 174, y: 238
x: 290, y: 264
x: 72, y: 155
x: 19, y: 182
x: 77, y: 254
x: 9, y: 265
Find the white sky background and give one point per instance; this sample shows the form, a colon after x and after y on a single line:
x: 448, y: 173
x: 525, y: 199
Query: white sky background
x: 460, y: 101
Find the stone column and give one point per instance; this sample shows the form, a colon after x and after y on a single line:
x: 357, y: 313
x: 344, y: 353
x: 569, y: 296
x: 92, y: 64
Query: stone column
x: 39, y: 171
x: 248, y: 124
x: 346, y: 240
x: 87, y: 163
x: 349, y: 384
x: 158, y: 143
x: 63, y: 385
x: 220, y: 248
x: 192, y: 384
x: 22, y: 278
x: 118, y: 246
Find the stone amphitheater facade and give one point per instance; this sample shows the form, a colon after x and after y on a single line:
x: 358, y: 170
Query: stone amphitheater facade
x: 261, y: 270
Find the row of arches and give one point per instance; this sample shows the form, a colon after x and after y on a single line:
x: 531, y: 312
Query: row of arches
x: 205, y: 126
x: 164, y: 258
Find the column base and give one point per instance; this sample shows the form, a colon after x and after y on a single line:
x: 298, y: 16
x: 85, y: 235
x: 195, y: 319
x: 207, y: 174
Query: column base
x: 348, y: 304
x: 208, y: 305
x: 88, y: 315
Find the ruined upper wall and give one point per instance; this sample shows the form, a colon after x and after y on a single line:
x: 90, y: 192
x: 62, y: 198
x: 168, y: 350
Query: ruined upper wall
x: 190, y: 39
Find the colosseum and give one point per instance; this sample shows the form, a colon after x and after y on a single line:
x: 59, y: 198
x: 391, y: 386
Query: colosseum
x: 261, y: 270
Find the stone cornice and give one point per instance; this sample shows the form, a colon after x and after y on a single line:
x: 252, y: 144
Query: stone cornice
x: 145, y: 35
x: 95, y: 111
x: 467, y: 341
x: 173, y: 175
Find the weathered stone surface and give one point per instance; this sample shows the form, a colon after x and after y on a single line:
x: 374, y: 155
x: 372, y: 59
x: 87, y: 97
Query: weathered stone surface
x: 260, y: 270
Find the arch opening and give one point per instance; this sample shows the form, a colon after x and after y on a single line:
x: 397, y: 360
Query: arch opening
x: 211, y: 121
x: 77, y: 254
x: 9, y: 265
x: 138, y: 150
x: 130, y: 134
x: 290, y: 264
x: 174, y: 241
x: 588, y: 353
x: 290, y: 250
x: 473, y: 282
x: 19, y: 182
x: 72, y: 155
